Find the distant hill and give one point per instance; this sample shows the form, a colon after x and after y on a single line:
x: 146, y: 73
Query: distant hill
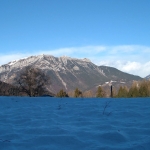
x: 67, y: 73
x: 147, y: 77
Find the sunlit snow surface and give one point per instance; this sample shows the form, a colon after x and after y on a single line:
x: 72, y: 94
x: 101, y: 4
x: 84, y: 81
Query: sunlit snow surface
x: 74, y: 124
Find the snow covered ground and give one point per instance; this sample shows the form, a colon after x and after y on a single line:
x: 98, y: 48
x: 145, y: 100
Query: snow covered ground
x: 74, y: 124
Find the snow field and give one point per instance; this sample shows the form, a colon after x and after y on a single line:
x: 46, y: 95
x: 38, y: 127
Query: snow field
x: 44, y: 123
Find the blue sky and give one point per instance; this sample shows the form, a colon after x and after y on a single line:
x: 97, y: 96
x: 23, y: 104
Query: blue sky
x: 108, y: 32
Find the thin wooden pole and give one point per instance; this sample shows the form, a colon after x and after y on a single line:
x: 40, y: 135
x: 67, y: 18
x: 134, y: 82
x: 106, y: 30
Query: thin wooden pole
x: 111, y: 91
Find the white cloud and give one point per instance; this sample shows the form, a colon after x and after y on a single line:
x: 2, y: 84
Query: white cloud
x: 131, y: 66
x: 122, y: 49
x: 136, y: 68
x: 75, y: 51
x: 7, y: 58
x: 133, y: 59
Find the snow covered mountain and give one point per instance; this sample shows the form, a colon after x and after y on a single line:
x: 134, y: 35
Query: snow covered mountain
x: 66, y: 73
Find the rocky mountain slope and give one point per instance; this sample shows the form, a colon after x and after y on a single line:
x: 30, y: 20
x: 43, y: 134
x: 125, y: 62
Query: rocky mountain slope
x: 7, y: 89
x: 67, y: 73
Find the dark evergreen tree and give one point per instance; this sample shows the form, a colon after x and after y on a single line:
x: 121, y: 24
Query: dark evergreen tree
x: 100, y: 92
x: 143, y: 90
x: 122, y: 92
x: 62, y: 93
x: 77, y: 93
x: 133, y: 92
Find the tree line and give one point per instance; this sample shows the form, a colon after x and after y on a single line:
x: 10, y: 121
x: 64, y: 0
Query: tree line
x: 78, y: 93
x: 138, y: 89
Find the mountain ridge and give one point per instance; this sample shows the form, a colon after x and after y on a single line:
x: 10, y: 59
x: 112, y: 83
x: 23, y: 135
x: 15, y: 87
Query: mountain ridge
x: 66, y: 72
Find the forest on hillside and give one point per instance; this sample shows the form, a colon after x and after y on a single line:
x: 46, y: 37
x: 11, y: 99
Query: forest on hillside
x: 138, y: 89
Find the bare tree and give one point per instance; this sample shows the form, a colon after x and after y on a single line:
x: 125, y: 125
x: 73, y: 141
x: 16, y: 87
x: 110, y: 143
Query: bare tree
x: 32, y: 81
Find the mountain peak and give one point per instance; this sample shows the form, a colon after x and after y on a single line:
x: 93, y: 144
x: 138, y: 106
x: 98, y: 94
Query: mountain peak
x: 70, y: 58
x: 86, y: 59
